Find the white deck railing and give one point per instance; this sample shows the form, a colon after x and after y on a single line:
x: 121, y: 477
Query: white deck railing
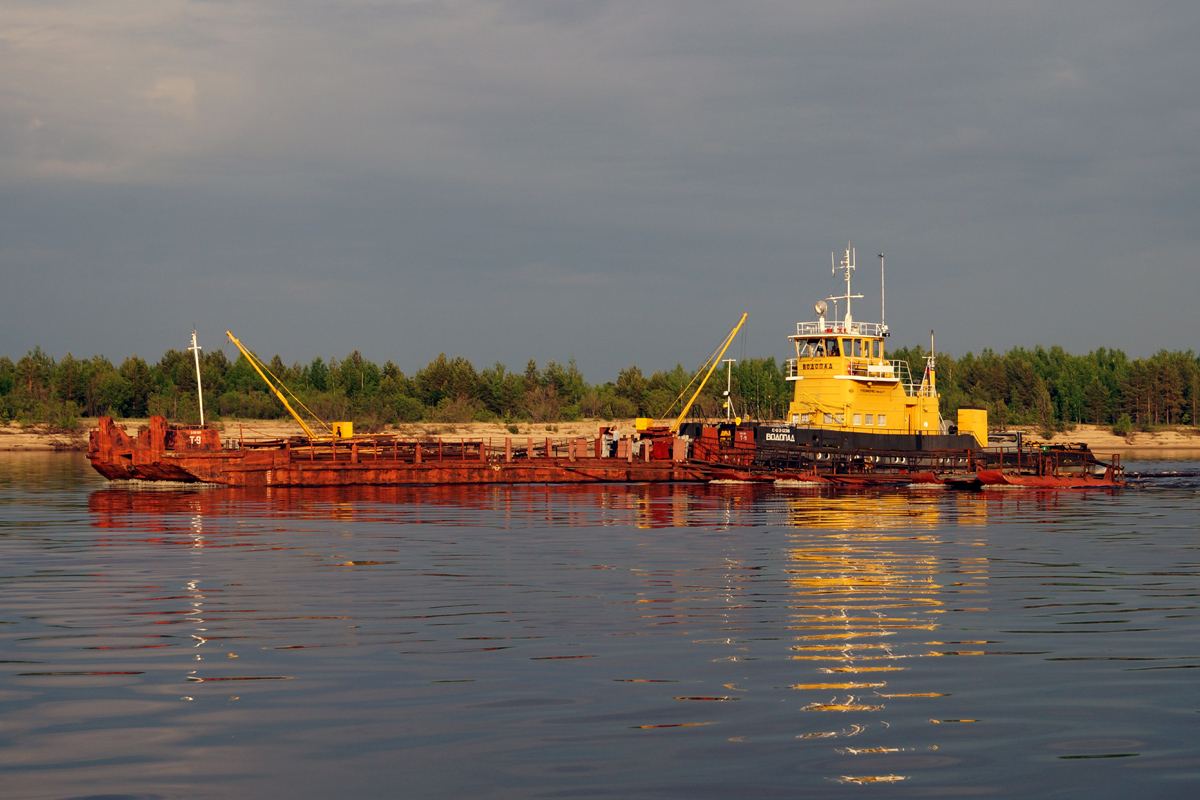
x: 866, y: 368
x: 831, y: 326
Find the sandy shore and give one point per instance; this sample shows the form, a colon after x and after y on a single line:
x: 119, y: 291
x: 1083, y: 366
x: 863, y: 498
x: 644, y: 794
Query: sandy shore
x: 14, y: 438
x: 1179, y: 442
x: 1173, y: 443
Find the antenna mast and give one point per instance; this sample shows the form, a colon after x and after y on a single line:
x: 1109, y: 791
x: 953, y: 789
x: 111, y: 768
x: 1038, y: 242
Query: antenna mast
x: 882, y: 295
x: 848, y: 265
x: 729, y: 362
x: 195, y: 349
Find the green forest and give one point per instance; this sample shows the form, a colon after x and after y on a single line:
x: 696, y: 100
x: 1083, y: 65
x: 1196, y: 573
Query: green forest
x: 1051, y: 389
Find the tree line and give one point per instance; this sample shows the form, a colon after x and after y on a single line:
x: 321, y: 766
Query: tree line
x: 1047, y: 388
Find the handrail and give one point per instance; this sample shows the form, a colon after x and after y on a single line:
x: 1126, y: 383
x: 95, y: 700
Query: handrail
x: 889, y: 369
x: 838, y: 328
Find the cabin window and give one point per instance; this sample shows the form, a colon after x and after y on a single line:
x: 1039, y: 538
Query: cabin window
x: 882, y: 420
x: 875, y: 349
x: 840, y: 419
x: 796, y: 418
x: 831, y: 347
x: 803, y: 419
x: 828, y: 420
x: 870, y: 419
x: 858, y: 348
x: 858, y: 419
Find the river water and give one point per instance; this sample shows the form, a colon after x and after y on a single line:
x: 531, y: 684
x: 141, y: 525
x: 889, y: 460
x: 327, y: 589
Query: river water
x: 602, y: 641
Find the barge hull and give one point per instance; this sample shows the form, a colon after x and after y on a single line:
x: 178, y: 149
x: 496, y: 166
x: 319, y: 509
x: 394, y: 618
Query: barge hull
x: 164, y: 452
x: 401, y: 474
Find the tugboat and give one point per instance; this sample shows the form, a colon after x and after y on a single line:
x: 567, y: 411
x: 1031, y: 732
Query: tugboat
x: 858, y: 417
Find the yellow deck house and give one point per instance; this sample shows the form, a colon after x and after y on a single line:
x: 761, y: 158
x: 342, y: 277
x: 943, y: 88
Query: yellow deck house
x: 843, y: 379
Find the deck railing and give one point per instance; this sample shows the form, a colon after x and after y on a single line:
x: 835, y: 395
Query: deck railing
x: 868, y: 368
x: 365, y: 449
x: 830, y: 326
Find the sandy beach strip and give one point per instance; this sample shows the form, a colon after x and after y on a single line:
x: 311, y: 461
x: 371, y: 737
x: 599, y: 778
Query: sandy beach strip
x: 1177, y: 442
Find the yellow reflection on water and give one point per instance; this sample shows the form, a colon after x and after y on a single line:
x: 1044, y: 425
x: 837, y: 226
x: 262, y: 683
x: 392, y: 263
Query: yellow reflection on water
x: 853, y: 511
x: 871, y: 778
x: 867, y: 578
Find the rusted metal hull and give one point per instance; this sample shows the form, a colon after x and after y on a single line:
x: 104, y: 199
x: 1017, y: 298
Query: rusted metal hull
x: 163, y: 452
x: 996, y: 478
x: 177, y: 453
x: 282, y: 472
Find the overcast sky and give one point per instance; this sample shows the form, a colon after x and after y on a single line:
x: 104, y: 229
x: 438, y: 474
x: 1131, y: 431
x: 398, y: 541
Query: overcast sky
x: 611, y: 181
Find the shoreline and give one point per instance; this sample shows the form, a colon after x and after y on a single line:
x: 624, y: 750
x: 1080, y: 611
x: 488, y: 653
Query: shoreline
x: 1175, y: 442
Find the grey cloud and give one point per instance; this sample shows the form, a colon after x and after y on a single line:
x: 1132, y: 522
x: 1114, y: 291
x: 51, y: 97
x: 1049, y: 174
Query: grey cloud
x: 628, y: 173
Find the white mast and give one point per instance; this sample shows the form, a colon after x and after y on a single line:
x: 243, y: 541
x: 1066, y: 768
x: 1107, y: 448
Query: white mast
x: 728, y: 387
x: 882, y: 296
x: 848, y: 265
x: 195, y: 349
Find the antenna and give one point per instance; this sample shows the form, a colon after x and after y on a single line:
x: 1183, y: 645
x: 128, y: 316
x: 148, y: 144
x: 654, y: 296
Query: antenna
x: 847, y: 265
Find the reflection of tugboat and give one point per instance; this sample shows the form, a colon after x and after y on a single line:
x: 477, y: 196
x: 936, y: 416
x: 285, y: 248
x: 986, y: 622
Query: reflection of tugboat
x: 858, y: 417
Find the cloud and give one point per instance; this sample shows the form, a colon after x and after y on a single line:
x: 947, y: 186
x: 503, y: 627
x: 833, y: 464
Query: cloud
x: 174, y: 95
x: 688, y: 155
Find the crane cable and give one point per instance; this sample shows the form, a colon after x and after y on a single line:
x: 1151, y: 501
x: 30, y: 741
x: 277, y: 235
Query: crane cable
x: 713, y: 365
x: 260, y: 367
x: 695, y: 377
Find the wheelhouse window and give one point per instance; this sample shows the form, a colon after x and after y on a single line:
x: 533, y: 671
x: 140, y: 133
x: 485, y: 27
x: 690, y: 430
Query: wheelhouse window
x: 810, y: 348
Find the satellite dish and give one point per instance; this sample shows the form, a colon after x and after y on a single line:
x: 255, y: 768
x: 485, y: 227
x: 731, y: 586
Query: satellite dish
x: 821, y: 308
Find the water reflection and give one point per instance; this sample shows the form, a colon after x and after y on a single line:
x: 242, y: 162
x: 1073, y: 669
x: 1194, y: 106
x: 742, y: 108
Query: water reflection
x: 517, y: 641
x: 650, y: 506
x: 869, y: 591
x: 182, y: 509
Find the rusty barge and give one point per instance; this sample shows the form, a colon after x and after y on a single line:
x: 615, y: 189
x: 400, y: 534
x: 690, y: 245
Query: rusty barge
x: 731, y: 453
x: 194, y: 454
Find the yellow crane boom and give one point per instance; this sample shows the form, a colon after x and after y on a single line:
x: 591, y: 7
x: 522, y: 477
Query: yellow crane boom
x: 262, y: 371
x: 711, y: 366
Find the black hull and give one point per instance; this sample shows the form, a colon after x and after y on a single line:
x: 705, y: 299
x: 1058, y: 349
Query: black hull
x: 787, y: 437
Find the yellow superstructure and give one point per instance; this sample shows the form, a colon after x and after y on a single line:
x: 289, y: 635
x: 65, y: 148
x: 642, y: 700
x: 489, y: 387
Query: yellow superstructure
x: 843, y: 379
x: 974, y: 421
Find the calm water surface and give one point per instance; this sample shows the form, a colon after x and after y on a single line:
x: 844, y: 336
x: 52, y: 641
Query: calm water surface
x: 618, y: 641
